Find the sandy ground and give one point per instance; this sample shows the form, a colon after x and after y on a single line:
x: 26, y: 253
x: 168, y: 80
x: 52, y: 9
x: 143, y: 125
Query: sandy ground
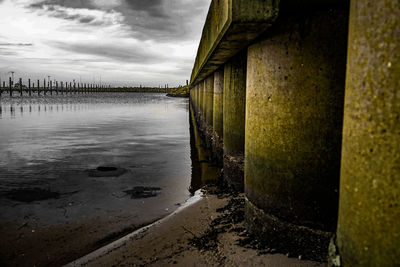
x: 171, y: 242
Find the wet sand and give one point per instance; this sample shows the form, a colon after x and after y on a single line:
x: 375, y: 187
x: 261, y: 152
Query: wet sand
x: 55, y: 231
x: 175, y: 242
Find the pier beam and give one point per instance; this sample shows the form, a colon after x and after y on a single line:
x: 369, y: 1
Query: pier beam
x: 369, y: 213
x: 294, y: 109
x: 218, y: 115
x: 234, y: 119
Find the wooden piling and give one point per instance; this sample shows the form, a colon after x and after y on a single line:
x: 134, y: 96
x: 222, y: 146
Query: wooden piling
x: 29, y: 87
x: 44, y: 86
x: 51, y: 87
x: 20, y: 86
x: 10, y: 86
x: 38, y: 87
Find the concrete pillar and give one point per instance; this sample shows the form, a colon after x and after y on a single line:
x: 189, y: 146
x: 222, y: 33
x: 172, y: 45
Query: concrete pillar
x: 294, y: 110
x: 197, y: 98
x: 369, y: 209
x: 233, y: 118
x: 218, y: 115
x: 200, y: 106
x: 209, y: 91
x: 203, y: 103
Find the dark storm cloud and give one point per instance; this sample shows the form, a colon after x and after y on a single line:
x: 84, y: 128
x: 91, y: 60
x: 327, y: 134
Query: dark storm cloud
x: 111, y: 51
x: 64, y: 3
x: 159, y: 20
x: 152, y: 7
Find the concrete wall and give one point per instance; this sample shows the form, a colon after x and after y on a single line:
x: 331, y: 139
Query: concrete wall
x: 369, y: 214
x: 286, y: 89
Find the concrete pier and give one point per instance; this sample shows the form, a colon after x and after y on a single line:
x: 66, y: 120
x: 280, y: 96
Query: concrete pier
x: 306, y: 98
x: 218, y: 115
x: 369, y: 209
x: 233, y: 117
x: 294, y: 107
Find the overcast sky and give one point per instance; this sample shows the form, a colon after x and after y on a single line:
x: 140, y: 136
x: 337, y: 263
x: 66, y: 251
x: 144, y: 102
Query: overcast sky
x: 126, y: 42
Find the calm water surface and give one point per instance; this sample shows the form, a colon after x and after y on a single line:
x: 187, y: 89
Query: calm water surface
x: 50, y: 143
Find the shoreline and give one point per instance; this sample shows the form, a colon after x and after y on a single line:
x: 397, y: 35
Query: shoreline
x: 133, y: 235
x: 191, y: 237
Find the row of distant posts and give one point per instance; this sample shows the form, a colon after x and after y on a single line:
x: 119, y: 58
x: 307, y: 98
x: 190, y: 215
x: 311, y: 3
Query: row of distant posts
x: 50, y: 87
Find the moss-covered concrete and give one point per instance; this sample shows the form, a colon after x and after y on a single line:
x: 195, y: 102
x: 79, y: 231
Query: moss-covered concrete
x: 197, y: 97
x: 199, y: 111
x: 230, y: 26
x: 369, y: 209
x: 294, y: 110
x: 218, y: 102
x: 218, y: 114
x: 209, y: 90
x: 234, y: 118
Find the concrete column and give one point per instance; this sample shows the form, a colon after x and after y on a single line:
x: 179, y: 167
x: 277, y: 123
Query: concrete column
x: 369, y: 210
x: 203, y: 102
x: 233, y: 118
x: 201, y: 98
x: 197, y: 98
x: 294, y: 110
x: 218, y: 115
x: 209, y: 90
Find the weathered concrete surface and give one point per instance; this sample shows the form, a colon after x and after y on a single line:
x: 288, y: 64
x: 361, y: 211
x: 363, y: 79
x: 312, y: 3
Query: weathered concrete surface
x: 202, y: 103
x: 218, y: 115
x: 209, y: 91
x: 294, y: 109
x: 234, y: 118
x: 369, y: 210
x: 230, y: 26
x: 197, y: 97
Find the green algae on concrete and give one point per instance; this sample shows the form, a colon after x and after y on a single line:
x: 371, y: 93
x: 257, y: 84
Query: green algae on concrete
x: 218, y: 115
x: 369, y: 210
x: 209, y: 89
x: 234, y: 118
x: 197, y: 98
x: 218, y: 102
x: 230, y: 26
x: 294, y: 109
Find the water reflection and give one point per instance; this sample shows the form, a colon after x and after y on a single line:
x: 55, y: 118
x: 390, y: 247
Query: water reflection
x: 61, y: 137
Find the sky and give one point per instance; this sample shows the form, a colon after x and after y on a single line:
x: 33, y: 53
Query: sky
x: 120, y: 42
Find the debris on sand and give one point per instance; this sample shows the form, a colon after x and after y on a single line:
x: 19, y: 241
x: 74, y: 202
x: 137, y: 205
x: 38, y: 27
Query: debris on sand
x: 143, y: 192
x: 28, y: 195
x: 231, y: 219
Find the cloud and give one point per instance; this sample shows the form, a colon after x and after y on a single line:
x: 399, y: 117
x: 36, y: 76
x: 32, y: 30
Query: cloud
x: 15, y: 44
x: 148, y: 19
x: 147, y: 41
x: 117, y: 52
